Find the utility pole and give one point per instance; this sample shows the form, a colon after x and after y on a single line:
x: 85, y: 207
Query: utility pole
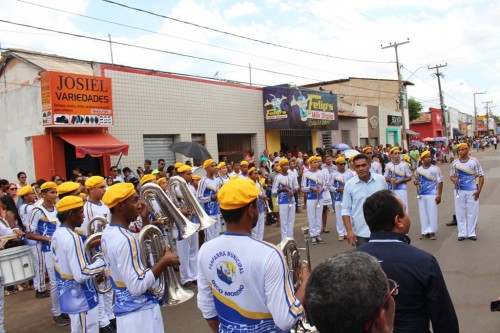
x: 487, y: 107
x: 111, y: 48
x: 445, y: 122
x: 400, y: 90
x: 475, y: 111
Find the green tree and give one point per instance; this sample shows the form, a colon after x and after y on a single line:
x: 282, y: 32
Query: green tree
x: 414, y: 108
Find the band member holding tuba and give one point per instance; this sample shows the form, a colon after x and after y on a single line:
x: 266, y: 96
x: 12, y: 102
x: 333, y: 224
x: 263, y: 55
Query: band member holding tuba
x: 187, y: 248
x: 464, y: 172
x: 77, y: 295
x: 429, y: 182
x: 312, y: 185
x: 136, y: 308
x: 207, y: 196
x: 284, y: 187
x: 94, y: 207
x: 397, y: 174
x: 43, y: 224
x: 243, y: 283
x: 337, y: 181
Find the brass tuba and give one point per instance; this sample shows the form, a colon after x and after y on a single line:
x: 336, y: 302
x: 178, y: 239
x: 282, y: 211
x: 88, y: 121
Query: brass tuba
x: 292, y: 256
x: 92, y: 250
x: 153, y: 247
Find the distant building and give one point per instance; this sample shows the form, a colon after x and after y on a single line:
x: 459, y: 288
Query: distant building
x: 429, y: 124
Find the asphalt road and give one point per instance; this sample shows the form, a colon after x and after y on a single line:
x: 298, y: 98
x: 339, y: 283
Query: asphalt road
x: 471, y: 269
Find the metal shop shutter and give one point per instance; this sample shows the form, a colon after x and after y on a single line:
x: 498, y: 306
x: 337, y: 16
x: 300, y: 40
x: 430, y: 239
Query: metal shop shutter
x: 156, y: 147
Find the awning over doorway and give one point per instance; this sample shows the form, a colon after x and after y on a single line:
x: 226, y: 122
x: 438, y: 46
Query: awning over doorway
x: 95, y: 144
x: 410, y: 132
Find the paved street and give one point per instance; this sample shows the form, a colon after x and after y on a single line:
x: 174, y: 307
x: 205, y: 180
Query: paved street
x: 471, y: 269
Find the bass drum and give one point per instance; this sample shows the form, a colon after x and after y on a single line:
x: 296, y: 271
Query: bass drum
x: 199, y: 171
x: 16, y: 265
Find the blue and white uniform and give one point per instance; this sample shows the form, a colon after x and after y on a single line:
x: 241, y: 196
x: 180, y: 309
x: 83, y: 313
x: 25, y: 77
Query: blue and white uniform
x: 91, y: 210
x: 313, y: 179
x: 466, y: 208
x: 283, y: 199
x: 327, y: 198
x: 136, y: 308
x: 44, y: 222
x: 206, y: 188
x: 428, y: 179
x: 375, y: 167
x: 77, y: 295
x: 187, y: 249
x: 25, y: 213
x: 245, y: 284
x: 398, y: 171
x: 337, y: 181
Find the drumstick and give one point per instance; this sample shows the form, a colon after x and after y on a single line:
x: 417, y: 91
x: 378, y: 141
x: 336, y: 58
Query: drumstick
x: 5, y: 239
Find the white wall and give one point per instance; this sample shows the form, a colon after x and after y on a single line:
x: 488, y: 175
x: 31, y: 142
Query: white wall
x: 21, y: 117
x: 151, y: 104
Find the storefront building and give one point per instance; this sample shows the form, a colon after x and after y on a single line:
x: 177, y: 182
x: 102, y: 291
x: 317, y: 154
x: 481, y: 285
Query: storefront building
x: 429, y: 124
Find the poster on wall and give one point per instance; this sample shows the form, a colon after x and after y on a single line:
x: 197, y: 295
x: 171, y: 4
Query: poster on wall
x: 70, y: 100
x: 298, y: 108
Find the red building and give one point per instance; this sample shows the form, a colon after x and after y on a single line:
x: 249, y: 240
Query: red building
x: 429, y: 124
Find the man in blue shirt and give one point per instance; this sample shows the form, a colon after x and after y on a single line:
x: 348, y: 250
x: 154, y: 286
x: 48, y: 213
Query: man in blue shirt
x: 423, y: 295
x: 356, y: 190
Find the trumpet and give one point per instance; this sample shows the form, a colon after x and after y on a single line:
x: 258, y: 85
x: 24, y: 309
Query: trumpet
x: 457, y: 182
x: 153, y: 247
x: 417, y: 184
x: 92, y: 250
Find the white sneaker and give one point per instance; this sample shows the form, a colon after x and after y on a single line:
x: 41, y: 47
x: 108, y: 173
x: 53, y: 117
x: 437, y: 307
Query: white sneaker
x: 320, y: 241
x: 314, y: 241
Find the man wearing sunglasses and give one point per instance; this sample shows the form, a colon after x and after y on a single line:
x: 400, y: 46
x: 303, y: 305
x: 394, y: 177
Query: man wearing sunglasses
x: 423, y: 295
x: 349, y: 292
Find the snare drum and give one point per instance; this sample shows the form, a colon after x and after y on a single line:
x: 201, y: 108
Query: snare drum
x: 16, y: 265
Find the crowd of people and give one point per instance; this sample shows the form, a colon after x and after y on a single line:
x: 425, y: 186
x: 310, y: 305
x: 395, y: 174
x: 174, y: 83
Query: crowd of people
x: 242, y: 281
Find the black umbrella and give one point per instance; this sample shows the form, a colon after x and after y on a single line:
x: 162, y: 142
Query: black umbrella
x: 191, y: 149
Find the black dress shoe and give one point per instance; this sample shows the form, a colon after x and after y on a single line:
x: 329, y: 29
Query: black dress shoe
x: 461, y: 239
x: 450, y: 224
x: 474, y: 238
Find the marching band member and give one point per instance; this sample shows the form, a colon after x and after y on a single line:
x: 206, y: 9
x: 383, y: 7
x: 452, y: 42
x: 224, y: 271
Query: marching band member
x: 68, y: 188
x: 337, y: 183
x: 463, y: 174
x: 43, y: 224
x: 258, y: 230
x: 375, y: 166
x: 327, y: 198
x: 244, y: 283
x: 284, y: 188
x: 312, y: 185
x: 222, y: 178
x: 162, y: 182
x: 243, y: 169
x: 236, y: 170
x: 25, y: 210
x: 187, y: 248
x: 397, y: 174
x: 207, y: 196
x: 77, y: 295
x: 351, y: 169
x: 5, y: 230
x: 136, y: 308
x: 94, y: 207
x: 429, y: 182
x: 141, y: 221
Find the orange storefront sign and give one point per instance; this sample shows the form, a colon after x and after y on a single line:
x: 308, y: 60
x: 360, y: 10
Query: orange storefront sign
x: 76, y: 100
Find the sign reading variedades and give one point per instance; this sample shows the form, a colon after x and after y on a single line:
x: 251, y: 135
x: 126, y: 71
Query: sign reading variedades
x: 76, y: 100
x: 294, y: 108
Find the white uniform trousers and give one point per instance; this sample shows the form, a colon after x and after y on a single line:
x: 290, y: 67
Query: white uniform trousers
x: 48, y: 261
x: 187, y: 250
x: 85, y: 322
x: 287, y: 220
x: 428, y: 214
x: 338, y: 219
x: 258, y: 230
x: 36, y: 268
x: 2, y: 330
x: 105, y: 308
x: 467, y: 211
x: 314, y: 215
x: 214, y: 230
x: 144, y: 320
x: 403, y: 194
x: 40, y: 269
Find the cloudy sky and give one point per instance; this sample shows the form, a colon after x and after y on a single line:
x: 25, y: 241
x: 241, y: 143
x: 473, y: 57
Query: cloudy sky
x: 284, y: 41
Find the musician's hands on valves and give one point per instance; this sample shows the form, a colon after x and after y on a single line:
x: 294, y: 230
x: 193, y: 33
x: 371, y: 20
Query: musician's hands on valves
x: 170, y: 258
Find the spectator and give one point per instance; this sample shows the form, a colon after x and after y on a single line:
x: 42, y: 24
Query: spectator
x: 147, y: 167
x: 349, y: 293
x: 21, y: 177
x: 423, y: 296
x: 115, y: 174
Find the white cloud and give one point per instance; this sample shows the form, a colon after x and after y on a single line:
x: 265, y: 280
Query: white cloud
x: 241, y: 9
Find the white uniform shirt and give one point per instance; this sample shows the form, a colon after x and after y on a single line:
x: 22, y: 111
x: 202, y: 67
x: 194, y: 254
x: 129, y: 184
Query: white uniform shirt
x: 281, y: 181
x: 338, y: 180
x: 245, y: 283
x: 312, y: 179
x: 376, y: 167
x: 91, y: 210
x: 428, y: 179
x: 399, y: 171
x: 25, y: 213
x: 130, y: 279
x: 467, y: 173
x: 73, y: 273
x: 206, y: 188
x: 43, y: 222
